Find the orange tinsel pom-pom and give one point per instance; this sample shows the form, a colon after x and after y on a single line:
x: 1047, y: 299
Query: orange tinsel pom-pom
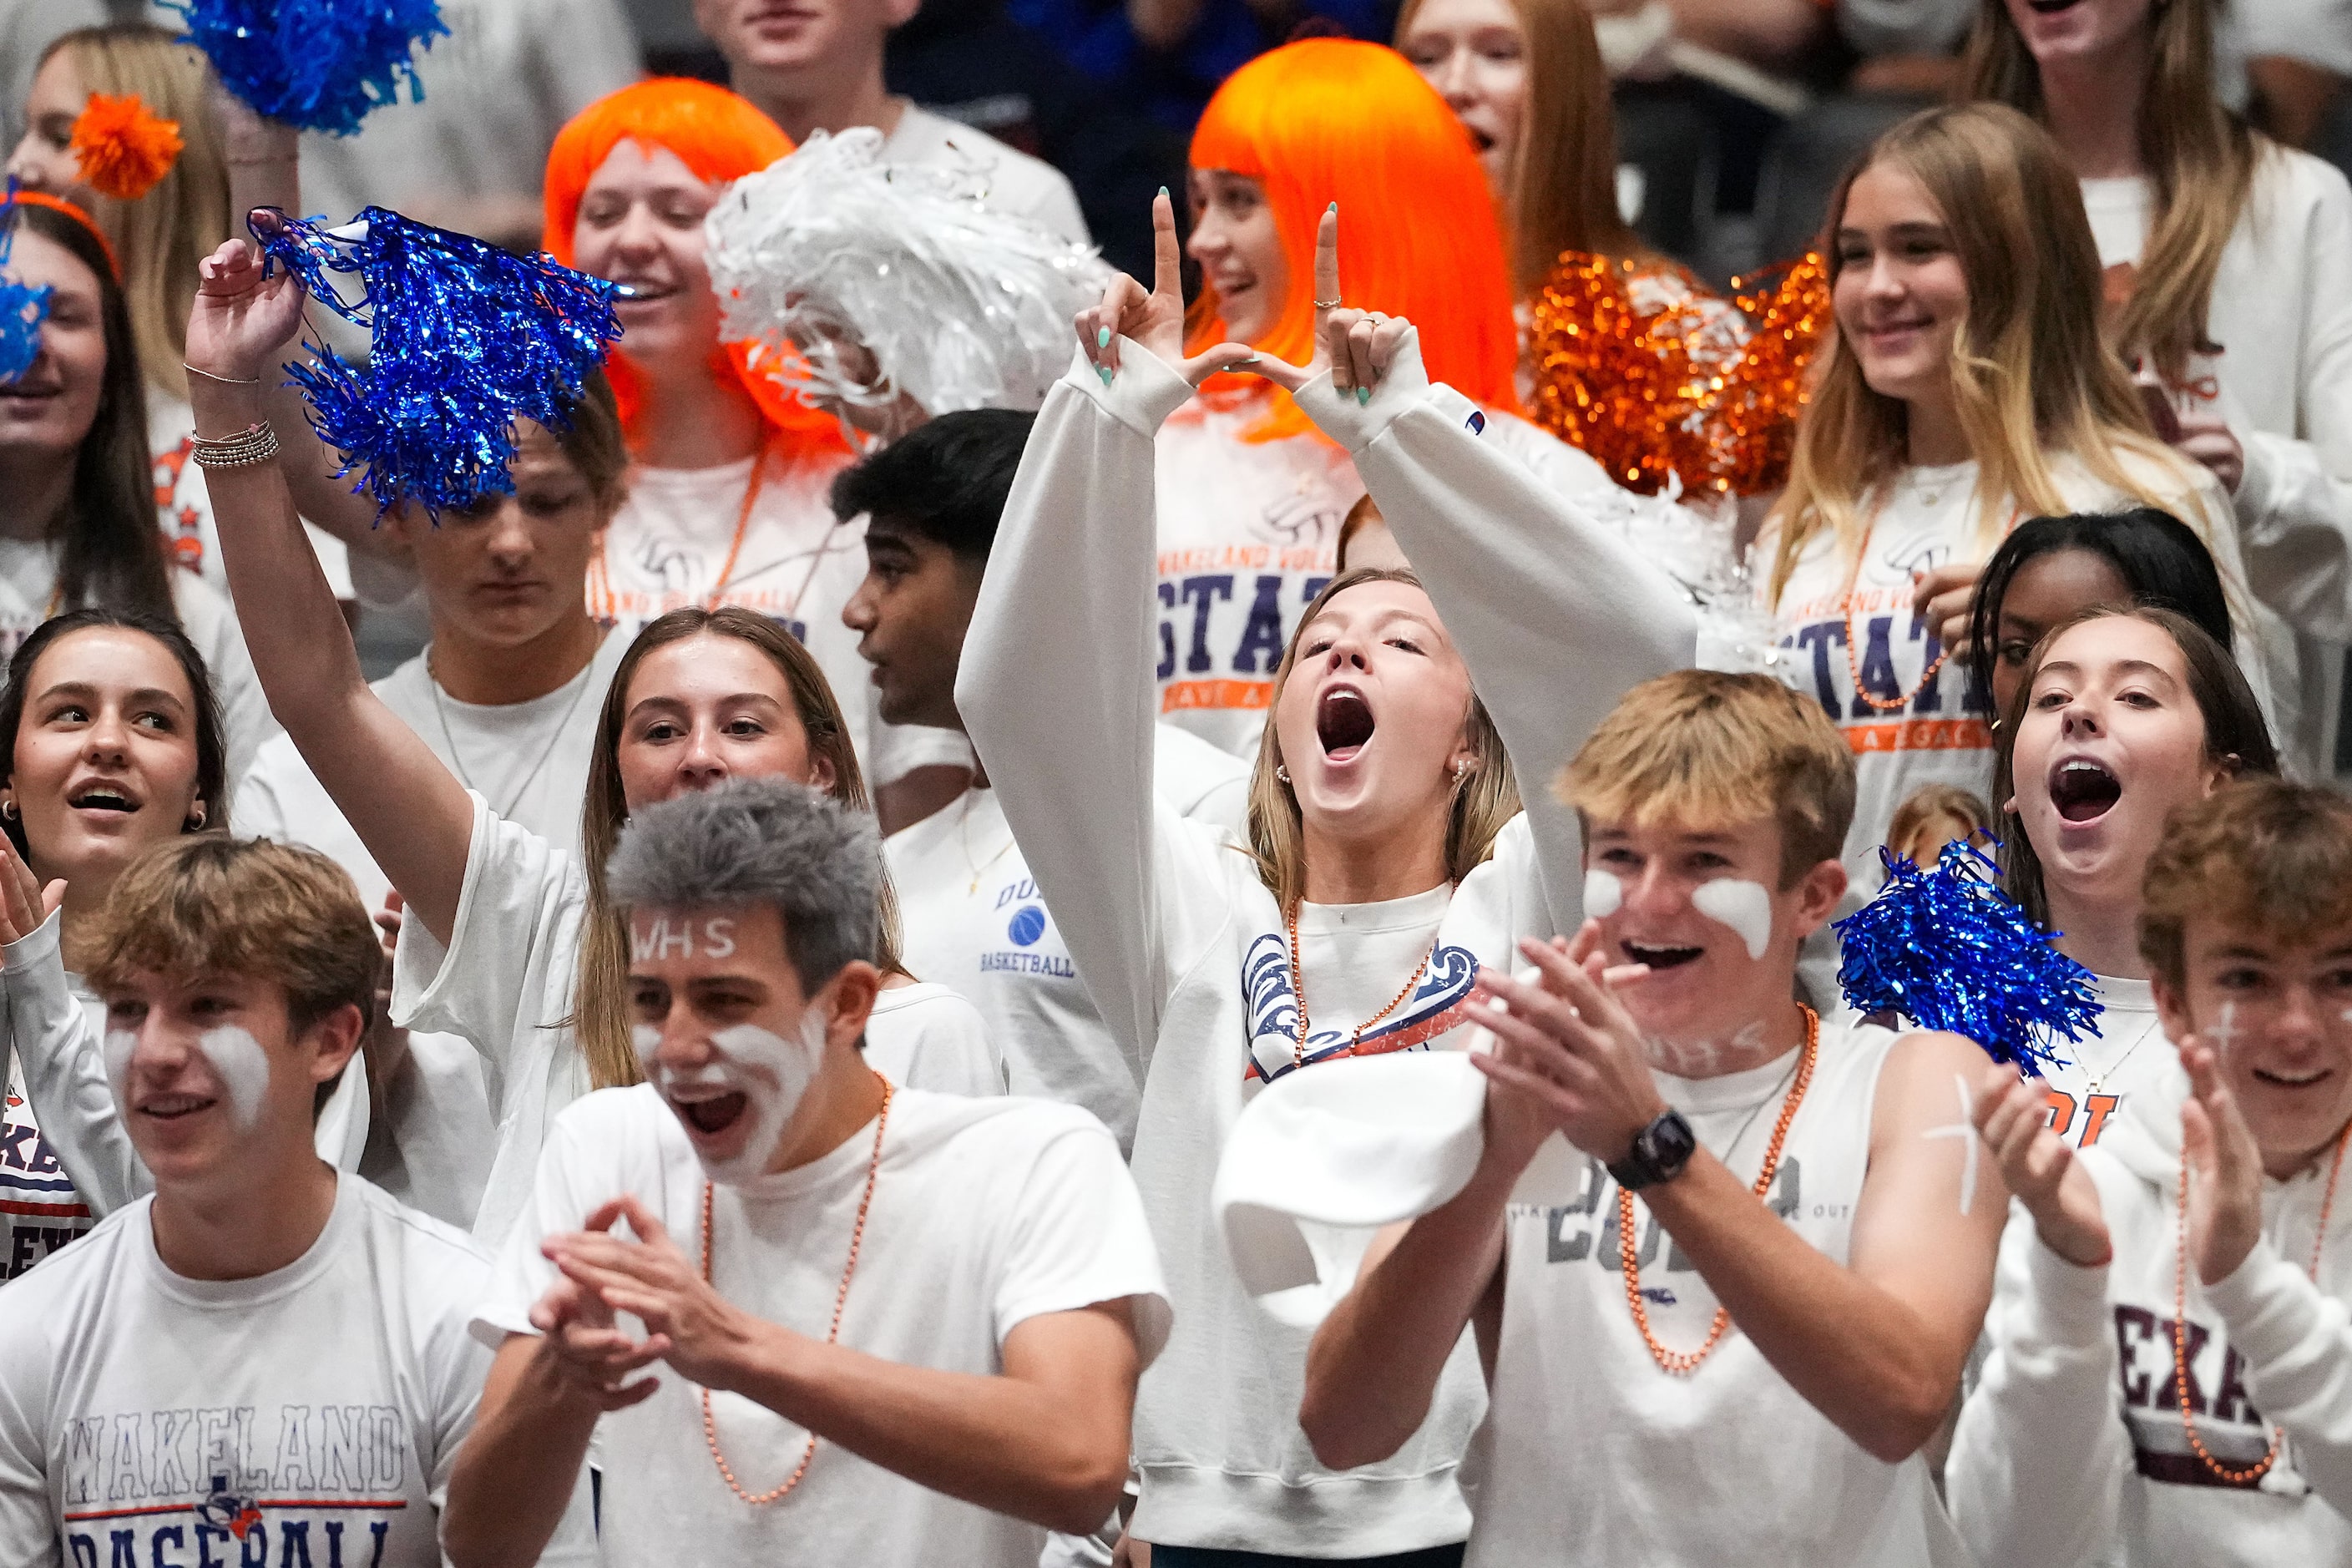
x: 1652, y: 374
x: 123, y: 147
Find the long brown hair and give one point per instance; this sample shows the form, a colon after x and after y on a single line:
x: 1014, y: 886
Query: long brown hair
x: 1483, y: 799
x: 2031, y: 371
x: 2235, y: 732
x: 2200, y: 158
x: 163, y: 235
x: 1560, y: 191
x: 600, y: 1015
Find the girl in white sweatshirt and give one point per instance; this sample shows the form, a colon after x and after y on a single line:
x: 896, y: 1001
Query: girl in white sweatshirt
x: 2170, y: 1380
x: 1969, y: 388
x: 2230, y: 260
x: 1386, y: 861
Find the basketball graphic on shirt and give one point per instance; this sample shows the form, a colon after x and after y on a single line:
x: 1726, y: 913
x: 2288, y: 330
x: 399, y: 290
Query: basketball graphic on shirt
x: 1028, y: 925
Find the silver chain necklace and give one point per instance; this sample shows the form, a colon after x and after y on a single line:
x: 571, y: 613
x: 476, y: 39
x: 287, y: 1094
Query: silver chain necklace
x: 555, y: 737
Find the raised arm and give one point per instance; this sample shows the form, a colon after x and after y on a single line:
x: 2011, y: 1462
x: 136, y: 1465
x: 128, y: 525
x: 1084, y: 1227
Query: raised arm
x: 1069, y: 745
x: 65, y: 1074
x: 265, y: 171
x: 410, y: 812
x: 1556, y: 615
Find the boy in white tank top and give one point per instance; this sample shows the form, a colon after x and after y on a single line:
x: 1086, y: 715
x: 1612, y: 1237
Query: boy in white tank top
x: 1720, y: 1321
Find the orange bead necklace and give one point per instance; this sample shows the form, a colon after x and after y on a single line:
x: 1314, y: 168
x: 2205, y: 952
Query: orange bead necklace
x: 832, y: 1335
x: 1298, y: 994
x: 1682, y: 1363
x: 2221, y: 1472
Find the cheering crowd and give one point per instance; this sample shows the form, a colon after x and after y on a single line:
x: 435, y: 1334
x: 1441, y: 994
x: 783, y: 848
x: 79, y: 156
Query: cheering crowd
x: 1410, y: 890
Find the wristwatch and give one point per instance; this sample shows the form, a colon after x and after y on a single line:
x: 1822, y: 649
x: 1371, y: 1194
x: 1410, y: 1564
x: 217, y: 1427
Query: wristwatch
x: 1660, y: 1151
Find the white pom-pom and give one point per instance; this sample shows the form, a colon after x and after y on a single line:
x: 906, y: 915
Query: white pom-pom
x: 832, y: 250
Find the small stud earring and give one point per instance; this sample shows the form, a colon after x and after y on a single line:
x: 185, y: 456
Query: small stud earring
x: 1460, y: 769
x: 1279, y: 772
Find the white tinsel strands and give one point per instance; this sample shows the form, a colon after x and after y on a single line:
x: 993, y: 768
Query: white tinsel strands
x: 960, y: 304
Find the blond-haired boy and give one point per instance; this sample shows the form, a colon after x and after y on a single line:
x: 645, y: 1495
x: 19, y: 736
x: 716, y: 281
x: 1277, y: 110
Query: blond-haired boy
x: 1722, y: 1326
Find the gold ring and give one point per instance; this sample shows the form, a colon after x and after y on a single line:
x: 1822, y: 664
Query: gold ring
x: 1327, y: 304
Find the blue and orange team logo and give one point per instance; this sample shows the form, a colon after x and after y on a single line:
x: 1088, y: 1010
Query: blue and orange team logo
x: 1028, y: 925
x: 227, y: 1510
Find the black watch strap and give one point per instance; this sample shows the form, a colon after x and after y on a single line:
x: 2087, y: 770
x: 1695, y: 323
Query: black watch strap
x: 1659, y: 1153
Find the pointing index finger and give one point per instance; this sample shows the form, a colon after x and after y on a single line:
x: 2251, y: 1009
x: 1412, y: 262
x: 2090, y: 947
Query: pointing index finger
x: 1326, y: 262
x: 1167, y: 260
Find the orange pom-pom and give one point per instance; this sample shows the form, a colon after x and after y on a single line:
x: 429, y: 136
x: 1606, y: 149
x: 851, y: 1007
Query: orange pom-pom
x: 1650, y: 374
x: 123, y: 148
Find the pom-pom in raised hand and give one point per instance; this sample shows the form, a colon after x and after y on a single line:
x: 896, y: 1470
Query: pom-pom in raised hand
x: 1947, y: 951
x: 321, y: 65
x: 467, y: 339
x: 23, y: 308
x: 123, y: 147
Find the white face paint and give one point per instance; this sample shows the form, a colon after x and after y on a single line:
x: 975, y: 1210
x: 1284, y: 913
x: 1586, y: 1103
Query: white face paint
x: 243, y: 1068
x: 1604, y: 895
x: 237, y: 1058
x: 772, y: 1074
x: 1745, y: 907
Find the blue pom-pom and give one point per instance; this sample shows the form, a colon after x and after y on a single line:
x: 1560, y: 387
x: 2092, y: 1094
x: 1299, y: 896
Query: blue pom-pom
x: 321, y: 65
x: 467, y: 339
x: 1947, y: 950
x: 23, y: 308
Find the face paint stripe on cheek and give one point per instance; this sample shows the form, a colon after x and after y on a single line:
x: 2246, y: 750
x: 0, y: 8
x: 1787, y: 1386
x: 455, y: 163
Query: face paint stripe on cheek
x: 1604, y: 895
x: 119, y: 1046
x: 1743, y: 906
x: 243, y: 1068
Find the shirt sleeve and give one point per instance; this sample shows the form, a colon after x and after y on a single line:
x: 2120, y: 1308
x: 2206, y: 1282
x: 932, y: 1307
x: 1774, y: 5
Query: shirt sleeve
x: 503, y: 981
x: 1078, y: 1238
x: 2036, y: 1469
x: 29, y: 1523
x: 2297, y: 1344
x: 939, y: 1044
x: 65, y: 1074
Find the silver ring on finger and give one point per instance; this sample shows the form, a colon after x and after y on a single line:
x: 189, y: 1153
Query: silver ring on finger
x: 1327, y: 304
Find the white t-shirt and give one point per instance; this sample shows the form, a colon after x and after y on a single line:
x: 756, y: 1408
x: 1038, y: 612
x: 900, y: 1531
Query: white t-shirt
x: 39, y: 1209
x: 508, y: 979
x: 186, y: 502
x: 2127, y: 1059
x: 310, y: 1415
x: 970, y: 915
x: 986, y: 1213
x: 1013, y: 181
x: 1591, y: 1453
x: 932, y: 1035
x: 28, y: 588
x: 1940, y: 731
x: 1249, y: 533
x: 669, y: 546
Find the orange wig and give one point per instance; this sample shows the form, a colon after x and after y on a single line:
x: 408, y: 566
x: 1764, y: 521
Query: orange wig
x: 1328, y: 119
x: 720, y: 137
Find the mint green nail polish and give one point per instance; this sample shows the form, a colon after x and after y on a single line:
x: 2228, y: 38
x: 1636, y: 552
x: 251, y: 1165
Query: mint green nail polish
x: 1163, y: 190
x: 1102, y: 336
x: 1103, y: 370
x: 1363, y: 396
x: 1334, y: 208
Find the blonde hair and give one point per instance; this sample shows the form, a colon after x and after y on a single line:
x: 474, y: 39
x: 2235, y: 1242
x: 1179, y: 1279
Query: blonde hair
x: 1561, y: 191
x: 1932, y: 803
x: 599, y: 1008
x: 160, y: 236
x: 1486, y: 796
x: 209, y: 904
x: 2031, y: 372
x: 1704, y: 747
x: 2200, y: 158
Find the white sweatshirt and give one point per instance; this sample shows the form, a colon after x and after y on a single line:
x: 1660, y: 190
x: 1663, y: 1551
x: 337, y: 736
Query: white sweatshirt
x: 1943, y: 734
x: 1181, y: 943
x: 2281, y: 315
x: 2072, y: 1449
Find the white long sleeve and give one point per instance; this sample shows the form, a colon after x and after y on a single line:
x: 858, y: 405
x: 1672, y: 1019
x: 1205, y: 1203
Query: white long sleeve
x: 1070, y: 752
x: 2037, y: 1464
x: 65, y: 1074
x: 2297, y: 1344
x: 1556, y: 615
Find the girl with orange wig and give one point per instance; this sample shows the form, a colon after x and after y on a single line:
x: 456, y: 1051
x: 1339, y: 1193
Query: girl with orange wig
x: 1250, y: 496
x: 729, y: 498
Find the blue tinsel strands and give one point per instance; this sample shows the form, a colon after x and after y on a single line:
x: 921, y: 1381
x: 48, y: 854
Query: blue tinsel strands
x: 22, y: 308
x: 1947, y: 950
x: 321, y: 65
x: 468, y: 339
